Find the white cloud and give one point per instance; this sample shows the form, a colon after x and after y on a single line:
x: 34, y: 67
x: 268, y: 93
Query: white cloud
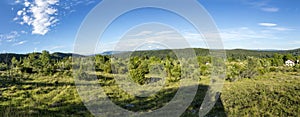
x: 270, y: 9
x: 70, y: 5
x: 17, y: 1
x: 164, y: 32
x: 23, y: 32
x: 142, y: 33
x: 26, y: 4
x: 15, y: 19
x: 281, y: 29
x: 245, y: 33
x: 267, y: 24
x: 19, y: 12
x: 40, y: 14
x: 272, y: 26
x: 263, y: 5
x: 53, y: 48
x: 295, y: 42
x: 19, y: 43
x: 260, y: 3
x: 153, y: 39
x: 10, y: 36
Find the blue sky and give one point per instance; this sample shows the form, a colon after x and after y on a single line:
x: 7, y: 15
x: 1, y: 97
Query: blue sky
x: 35, y: 25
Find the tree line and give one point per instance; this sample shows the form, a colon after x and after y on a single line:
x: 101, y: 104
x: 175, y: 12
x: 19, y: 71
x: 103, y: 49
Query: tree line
x: 139, y: 66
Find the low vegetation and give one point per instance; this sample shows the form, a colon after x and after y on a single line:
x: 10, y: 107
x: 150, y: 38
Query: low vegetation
x: 42, y: 84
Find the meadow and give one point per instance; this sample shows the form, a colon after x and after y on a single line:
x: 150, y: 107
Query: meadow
x: 42, y: 85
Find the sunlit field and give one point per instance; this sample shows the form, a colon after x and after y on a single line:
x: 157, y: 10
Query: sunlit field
x: 262, y: 89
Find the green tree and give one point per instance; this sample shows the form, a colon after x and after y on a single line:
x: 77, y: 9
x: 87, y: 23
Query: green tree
x: 289, y: 57
x: 3, y: 66
x: 277, y: 60
x: 168, y: 67
x: 100, y: 62
x: 14, y: 62
x: 251, y: 69
x: 30, y: 63
x: 45, y: 63
x: 45, y: 58
x: 138, y: 69
x: 107, y: 67
x: 234, y: 71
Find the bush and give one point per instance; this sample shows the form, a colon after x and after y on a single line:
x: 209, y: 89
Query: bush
x: 138, y: 76
x: 273, y: 69
x: 3, y: 67
x: 138, y: 69
x: 252, y: 67
x: 27, y: 70
x: 234, y: 71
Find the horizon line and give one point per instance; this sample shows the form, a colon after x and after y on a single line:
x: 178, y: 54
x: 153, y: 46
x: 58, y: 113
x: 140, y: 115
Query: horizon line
x: 259, y: 49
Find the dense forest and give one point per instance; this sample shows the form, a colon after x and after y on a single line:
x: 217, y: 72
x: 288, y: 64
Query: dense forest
x: 30, y: 83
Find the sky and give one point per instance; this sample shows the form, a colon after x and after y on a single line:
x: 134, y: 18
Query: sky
x: 35, y: 25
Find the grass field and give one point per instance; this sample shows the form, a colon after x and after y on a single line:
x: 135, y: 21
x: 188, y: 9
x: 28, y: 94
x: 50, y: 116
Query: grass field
x: 273, y: 94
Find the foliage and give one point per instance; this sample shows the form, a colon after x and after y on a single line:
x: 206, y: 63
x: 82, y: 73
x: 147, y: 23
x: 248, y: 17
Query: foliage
x: 3, y: 66
x: 138, y: 69
x: 272, y: 94
x: 38, y: 84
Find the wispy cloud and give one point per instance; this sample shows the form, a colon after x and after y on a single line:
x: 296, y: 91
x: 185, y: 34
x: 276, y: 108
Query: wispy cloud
x: 263, y: 5
x: 40, y: 14
x: 273, y: 26
x: 142, y: 33
x: 147, y: 39
x: 270, y: 9
x: 281, y: 29
x: 10, y: 36
x: 245, y: 33
x: 19, y: 43
x: 267, y: 24
x: 294, y: 42
x: 69, y: 5
x: 192, y: 39
x: 53, y: 48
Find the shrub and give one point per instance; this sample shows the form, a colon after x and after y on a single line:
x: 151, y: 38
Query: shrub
x: 138, y: 69
x: 273, y: 69
x: 3, y: 67
x: 138, y: 76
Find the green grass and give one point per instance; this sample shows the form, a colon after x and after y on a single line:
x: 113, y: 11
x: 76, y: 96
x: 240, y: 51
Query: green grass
x: 40, y: 96
x: 273, y: 94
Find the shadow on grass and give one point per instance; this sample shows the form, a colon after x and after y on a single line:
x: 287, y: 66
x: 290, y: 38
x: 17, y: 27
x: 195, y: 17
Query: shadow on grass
x: 77, y: 110
x: 144, y: 104
x: 19, y: 81
x: 69, y: 108
x: 18, y: 89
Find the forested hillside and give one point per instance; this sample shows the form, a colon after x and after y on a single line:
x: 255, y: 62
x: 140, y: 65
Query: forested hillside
x: 232, y: 54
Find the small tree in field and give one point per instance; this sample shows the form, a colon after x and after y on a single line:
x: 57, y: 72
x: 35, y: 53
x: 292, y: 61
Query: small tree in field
x: 234, y: 71
x: 3, y: 66
x: 251, y: 68
x: 45, y: 63
x: 138, y: 69
x: 30, y: 64
x: 107, y: 67
x: 14, y: 63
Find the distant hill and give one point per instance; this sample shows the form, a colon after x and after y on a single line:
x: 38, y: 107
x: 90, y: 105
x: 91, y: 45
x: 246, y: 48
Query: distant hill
x: 6, y: 57
x: 63, y: 55
x: 242, y: 53
x: 234, y: 53
x: 112, y: 52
